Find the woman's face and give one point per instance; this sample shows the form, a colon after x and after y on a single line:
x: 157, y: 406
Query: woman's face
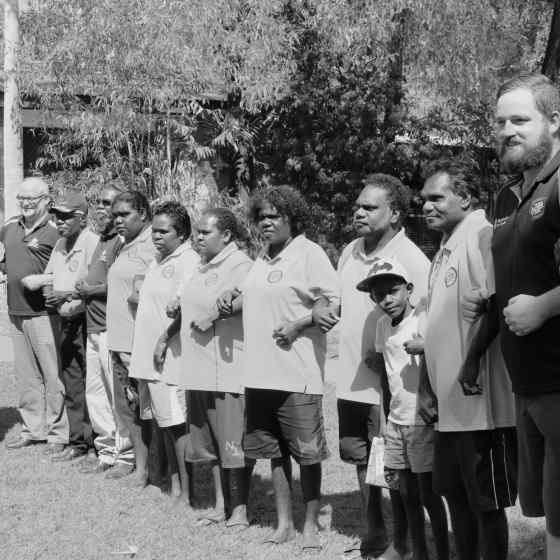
x: 210, y: 239
x: 275, y: 228
x: 128, y: 221
x: 164, y: 235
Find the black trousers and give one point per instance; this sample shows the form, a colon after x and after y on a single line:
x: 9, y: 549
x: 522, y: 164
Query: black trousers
x: 73, y: 376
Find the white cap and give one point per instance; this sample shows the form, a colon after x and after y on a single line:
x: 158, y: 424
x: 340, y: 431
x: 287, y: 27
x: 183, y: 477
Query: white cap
x: 381, y: 268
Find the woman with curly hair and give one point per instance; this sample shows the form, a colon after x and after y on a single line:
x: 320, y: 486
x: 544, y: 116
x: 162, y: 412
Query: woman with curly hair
x: 285, y: 354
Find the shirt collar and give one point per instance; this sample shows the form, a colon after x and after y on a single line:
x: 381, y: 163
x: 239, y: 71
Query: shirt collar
x: 177, y: 253
x: 292, y: 247
x: 544, y: 174
x: 359, y: 250
x: 40, y: 223
x: 228, y: 250
x: 140, y: 238
x: 473, y: 219
x: 78, y: 245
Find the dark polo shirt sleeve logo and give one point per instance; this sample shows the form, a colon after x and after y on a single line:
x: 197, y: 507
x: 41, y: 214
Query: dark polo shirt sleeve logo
x: 525, y: 233
x: 26, y: 253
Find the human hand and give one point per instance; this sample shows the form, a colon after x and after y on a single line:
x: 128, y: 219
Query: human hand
x: 414, y: 346
x: 204, y: 321
x: 525, y: 314
x: 83, y: 289
x: 427, y: 408
x: 56, y: 298
x: 34, y: 282
x: 325, y: 316
x: 468, y: 377
x: 173, y: 308
x: 285, y: 334
x: 225, y: 302
x: 160, y: 351
x: 474, y: 304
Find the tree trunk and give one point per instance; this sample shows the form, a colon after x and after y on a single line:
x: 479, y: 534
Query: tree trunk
x: 551, y: 63
x: 13, y: 138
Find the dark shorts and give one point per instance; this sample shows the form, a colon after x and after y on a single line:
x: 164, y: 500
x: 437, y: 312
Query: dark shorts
x: 482, y: 463
x: 280, y: 424
x: 358, y: 424
x: 215, y: 428
x: 538, y: 434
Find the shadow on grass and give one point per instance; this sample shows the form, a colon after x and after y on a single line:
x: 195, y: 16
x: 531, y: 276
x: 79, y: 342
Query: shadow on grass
x: 9, y: 417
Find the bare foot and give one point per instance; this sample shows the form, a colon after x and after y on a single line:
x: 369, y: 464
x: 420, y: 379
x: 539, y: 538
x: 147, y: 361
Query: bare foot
x: 311, y: 542
x: 212, y: 518
x: 181, y: 503
x: 238, y: 518
x: 281, y: 536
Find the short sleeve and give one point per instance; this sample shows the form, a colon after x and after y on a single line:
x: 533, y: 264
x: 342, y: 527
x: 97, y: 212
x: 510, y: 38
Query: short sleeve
x: 321, y: 277
x: 49, y: 269
x: 485, y: 248
x: 239, y: 272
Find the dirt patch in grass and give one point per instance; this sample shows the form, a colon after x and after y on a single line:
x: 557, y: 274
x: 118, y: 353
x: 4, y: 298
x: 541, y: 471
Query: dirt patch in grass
x: 50, y: 511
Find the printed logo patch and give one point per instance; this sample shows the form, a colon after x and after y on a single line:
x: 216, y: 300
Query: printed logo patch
x: 73, y: 266
x: 537, y: 208
x: 233, y: 449
x: 211, y: 279
x: 168, y: 271
x: 275, y: 276
x: 450, y: 277
x: 377, y: 267
x: 33, y: 243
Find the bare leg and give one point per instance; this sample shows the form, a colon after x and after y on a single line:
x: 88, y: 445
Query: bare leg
x: 311, y: 489
x: 438, y: 517
x: 375, y: 539
x: 282, y: 483
x: 410, y: 492
x: 180, y: 480
x: 465, y: 525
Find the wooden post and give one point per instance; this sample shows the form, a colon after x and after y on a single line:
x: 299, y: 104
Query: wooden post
x: 13, y: 136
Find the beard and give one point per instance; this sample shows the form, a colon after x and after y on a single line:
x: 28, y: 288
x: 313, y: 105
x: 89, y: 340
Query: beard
x: 532, y: 158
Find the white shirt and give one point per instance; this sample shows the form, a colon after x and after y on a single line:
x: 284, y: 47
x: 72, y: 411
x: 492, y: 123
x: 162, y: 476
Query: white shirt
x: 159, y: 287
x: 463, y: 264
x: 359, y: 314
x: 284, y: 289
x: 403, y: 370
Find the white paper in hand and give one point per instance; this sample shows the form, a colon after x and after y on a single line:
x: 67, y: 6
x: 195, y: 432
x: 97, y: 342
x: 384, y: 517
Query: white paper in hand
x: 376, y: 465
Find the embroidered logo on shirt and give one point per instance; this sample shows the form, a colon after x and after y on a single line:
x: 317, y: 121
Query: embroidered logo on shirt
x: 275, y: 276
x: 168, y: 271
x: 537, y: 208
x: 450, y: 277
x: 33, y: 243
x: 211, y: 279
x: 73, y: 266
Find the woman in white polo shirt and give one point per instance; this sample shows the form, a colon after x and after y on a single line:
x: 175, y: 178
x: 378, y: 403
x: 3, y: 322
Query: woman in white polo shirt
x: 212, y: 366
x: 285, y: 354
x: 175, y: 262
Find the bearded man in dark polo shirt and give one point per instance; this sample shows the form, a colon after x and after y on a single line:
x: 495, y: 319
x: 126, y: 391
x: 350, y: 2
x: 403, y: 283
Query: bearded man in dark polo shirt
x: 29, y: 240
x: 526, y: 236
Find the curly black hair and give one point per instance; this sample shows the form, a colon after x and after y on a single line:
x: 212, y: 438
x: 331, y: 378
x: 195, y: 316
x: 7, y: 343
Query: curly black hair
x: 178, y: 214
x: 287, y: 201
x: 225, y: 220
x: 398, y: 194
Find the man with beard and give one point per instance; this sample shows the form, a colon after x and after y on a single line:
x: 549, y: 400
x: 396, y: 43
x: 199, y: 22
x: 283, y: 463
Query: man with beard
x: 526, y: 234
x: 113, y: 449
x: 379, y: 214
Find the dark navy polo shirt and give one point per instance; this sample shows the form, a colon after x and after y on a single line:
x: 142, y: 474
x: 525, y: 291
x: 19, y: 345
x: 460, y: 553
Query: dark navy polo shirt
x: 526, y: 229
x: 103, y: 257
x: 26, y: 253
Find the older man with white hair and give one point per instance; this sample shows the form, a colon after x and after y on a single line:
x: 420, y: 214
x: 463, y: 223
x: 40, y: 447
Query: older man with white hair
x: 28, y: 240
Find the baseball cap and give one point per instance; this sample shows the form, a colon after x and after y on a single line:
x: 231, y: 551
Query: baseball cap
x: 383, y: 267
x: 71, y: 202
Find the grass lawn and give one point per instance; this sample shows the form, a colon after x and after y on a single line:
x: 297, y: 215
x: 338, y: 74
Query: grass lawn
x: 50, y: 511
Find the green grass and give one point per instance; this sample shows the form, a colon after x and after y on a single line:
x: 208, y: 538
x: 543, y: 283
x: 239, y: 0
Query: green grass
x: 50, y: 511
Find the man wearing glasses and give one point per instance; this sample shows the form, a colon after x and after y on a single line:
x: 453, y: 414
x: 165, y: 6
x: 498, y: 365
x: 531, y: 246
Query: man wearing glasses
x: 28, y: 240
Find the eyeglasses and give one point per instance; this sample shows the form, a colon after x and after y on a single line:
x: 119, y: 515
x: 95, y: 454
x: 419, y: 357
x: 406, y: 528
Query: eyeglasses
x: 29, y: 199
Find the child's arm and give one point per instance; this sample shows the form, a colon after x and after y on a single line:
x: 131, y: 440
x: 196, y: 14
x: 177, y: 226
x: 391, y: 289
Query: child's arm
x: 415, y: 345
x: 376, y: 363
x: 485, y: 331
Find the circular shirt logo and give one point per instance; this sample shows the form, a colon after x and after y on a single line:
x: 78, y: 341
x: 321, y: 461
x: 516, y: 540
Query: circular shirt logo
x: 450, y: 277
x: 275, y: 276
x: 211, y: 279
x: 73, y: 266
x: 537, y: 208
x: 168, y: 271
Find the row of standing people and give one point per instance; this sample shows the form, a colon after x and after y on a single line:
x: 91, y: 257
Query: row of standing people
x: 473, y: 290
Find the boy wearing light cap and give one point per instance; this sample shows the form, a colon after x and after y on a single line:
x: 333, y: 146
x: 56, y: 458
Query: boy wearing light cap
x: 398, y: 358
